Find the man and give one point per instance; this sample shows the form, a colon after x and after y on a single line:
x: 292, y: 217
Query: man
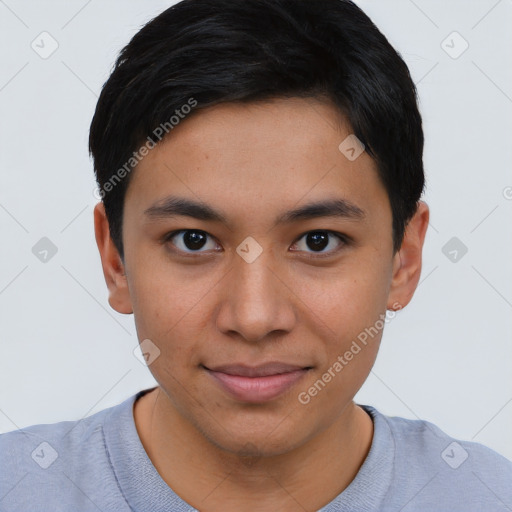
x: 260, y: 169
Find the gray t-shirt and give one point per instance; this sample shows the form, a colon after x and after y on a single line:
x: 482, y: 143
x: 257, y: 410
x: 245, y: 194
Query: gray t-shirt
x: 99, y: 464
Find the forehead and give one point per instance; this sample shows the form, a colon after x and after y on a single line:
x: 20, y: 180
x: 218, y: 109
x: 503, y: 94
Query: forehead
x: 255, y: 157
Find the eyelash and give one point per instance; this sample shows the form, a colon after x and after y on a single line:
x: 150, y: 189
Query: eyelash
x: 344, y: 239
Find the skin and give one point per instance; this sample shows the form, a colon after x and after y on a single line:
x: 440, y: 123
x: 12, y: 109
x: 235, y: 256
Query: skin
x: 253, y: 162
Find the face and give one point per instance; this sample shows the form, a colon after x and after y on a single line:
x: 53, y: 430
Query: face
x: 253, y: 299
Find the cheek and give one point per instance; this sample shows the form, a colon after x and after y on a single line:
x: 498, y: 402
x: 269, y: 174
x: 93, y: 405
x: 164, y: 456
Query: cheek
x: 351, y: 304
x: 348, y: 301
x: 166, y: 295
x: 349, y: 358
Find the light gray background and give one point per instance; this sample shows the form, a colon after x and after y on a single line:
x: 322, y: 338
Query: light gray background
x: 66, y: 354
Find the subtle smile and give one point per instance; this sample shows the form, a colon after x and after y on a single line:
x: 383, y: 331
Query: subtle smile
x: 257, y: 384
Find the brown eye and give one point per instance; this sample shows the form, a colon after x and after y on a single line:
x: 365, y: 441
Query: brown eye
x: 190, y: 240
x: 319, y: 240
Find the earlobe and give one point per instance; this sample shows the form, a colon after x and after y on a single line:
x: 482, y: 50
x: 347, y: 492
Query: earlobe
x: 407, y: 261
x: 113, y: 267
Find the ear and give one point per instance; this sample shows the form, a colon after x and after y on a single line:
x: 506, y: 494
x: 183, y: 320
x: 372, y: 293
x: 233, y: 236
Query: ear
x: 113, y: 267
x: 407, y: 261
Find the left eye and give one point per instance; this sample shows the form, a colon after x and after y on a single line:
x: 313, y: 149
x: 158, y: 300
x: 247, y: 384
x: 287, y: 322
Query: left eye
x: 192, y: 240
x: 319, y: 240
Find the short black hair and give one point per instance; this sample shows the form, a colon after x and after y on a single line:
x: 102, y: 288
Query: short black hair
x: 199, y: 53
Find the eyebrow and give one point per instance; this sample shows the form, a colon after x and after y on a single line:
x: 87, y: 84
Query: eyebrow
x: 173, y: 206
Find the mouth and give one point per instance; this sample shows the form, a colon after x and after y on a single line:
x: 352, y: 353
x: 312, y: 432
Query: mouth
x: 257, y: 384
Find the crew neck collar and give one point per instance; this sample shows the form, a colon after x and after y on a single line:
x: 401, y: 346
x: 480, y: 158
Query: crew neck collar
x: 144, y: 489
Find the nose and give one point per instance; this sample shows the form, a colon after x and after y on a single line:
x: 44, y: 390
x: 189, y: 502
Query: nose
x: 256, y: 302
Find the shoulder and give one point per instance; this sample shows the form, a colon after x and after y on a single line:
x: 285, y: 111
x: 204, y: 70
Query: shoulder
x: 427, y: 440
x: 433, y: 469
x: 45, y: 444
x: 58, y: 465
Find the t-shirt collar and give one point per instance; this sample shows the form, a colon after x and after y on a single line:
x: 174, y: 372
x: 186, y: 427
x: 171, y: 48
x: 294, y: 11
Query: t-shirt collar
x: 144, y: 489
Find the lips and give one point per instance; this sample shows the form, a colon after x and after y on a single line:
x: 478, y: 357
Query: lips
x: 263, y: 370
x: 256, y: 384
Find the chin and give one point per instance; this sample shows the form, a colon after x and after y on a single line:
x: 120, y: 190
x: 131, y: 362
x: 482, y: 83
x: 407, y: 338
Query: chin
x: 262, y: 435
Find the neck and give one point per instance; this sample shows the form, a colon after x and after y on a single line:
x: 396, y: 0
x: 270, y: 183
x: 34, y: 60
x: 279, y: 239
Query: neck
x: 212, y: 479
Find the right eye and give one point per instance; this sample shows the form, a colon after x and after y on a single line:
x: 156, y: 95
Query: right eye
x: 188, y: 241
